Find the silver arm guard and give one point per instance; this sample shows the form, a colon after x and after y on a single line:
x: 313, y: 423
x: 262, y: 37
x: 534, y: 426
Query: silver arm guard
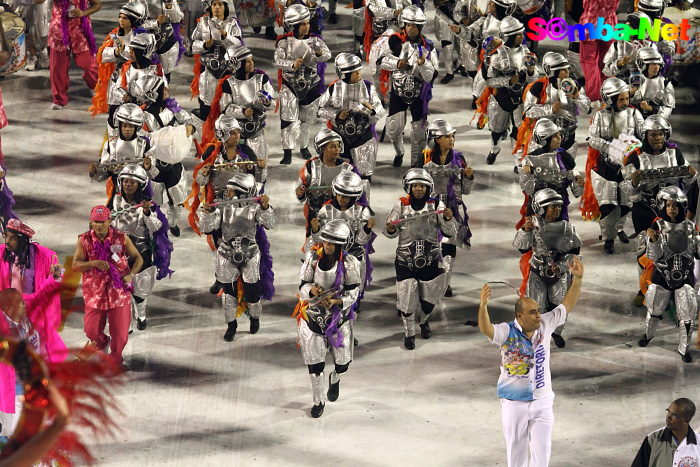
x: 583, y: 102
x: 535, y: 110
x: 467, y: 185
x: 109, y: 55
x: 523, y: 240
x: 528, y: 183
x: 173, y: 14
x: 379, y: 110
x: 576, y: 189
x: 209, y: 222
x: 448, y: 228
x: 655, y: 250
x: 326, y: 111
x: 153, y: 224
x: 363, y: 237
x: 306, y: 193
x: 390, y: 62
x: 669, y: 101
x: 266, y: 217
x: 352, y: 277
x: 428, y: 68
x: 382, y: 13
x: 394, y: 215
x: 197, y: 39
x: 280, y: 60
x: 610, y: 62
x: 153, y: 171
x: 594, y: 139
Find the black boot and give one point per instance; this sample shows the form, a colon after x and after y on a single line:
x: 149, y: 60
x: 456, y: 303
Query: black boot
x: 398, y: 160
x: 257, y: 29
x: 623, y: 236
x: 333, y: 18
x: 305, y: 153
x: 141, y: 324
x: 410, y: 342
x: 270, y: 33
x: 558, y: 340
x: 355, y: 343
x: 425, y: 331
x: 287, y: 159
x: 333, y: 389
x: 231, y: 331
x: 175, y: 231
x: 462, y: 71
x: 317, y: 410
x: 644, y: 341
x: 216, y: 287
x: 687, y: 358
x: 448, y: 292
x: 609, y: 247
x: 254, y: 325
x: 447, y: 78
x: 491, y: 158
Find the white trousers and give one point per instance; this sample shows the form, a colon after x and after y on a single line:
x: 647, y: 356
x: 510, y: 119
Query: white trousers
x: 528, y: 423
x: 11, y: 420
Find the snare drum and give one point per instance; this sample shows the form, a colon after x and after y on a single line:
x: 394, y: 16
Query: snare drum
x: 14, y: 31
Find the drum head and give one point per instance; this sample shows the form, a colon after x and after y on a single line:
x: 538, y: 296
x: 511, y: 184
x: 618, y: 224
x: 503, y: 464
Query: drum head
x: 14, y: 32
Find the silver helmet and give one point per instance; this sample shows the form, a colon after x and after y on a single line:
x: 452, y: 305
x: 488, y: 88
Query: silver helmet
x: 412, y: 15
x: 544, y: 198
x: 552, y: 62
x: 647, y: 56
x: 348, y: 183
x: 135, y: 11
x: 654, y: 8
x: 325, y: 136
x: 131, y: 114
x: 417, y: 176
x: 134, y: 172
x: 145, y: 89
x: 656, y: 122
x: 236, y: 55
x: 509, y: 5
x: 346, y: 63
x: 671, y: 193
x: 510, y: 27
x: 634, y: 18
x: 294, y: 15
x: 146, y: 43
x: 223, y: 127
x: 613, y: 87
x: 337, y: 232
x: 243, y: 183
x: 544, y: 129
x: 439, y: 127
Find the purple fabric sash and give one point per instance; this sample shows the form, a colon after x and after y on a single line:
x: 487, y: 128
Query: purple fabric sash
x: 7, y: 201
x: 172, y: 104
x: 321, y: 70
x: 162, y: 246
x: 462, y: 218
x: 335, y: 337
x: 85, y: 26
x: 103, y: 253
x: 180, y: 44
x: 266, y: 285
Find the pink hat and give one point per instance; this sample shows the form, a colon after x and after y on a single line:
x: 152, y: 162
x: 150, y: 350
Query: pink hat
x: 20, y: 227
x: 100, y: 214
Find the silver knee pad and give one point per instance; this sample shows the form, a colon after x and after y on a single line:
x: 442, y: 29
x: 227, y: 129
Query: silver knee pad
x: 448, y: 56
x: 409, y: 325
x: 178, y: 193
x: 432, y: 291
x: 656, y: 300
x: 358, y: 21
x: 226, y: 271
x: 258, y: 144
x: 251, y: 269
x: 499, y: 119
x: 365, y: 157
x: 289, y: 105
x: 343, y: 355
x: 290, y: 135
x: 317, y: 387
x: 139, y: 309
x: 313, y: 346
x: 605, y: 191
x: 608, y: 224
x: 168, y: 60
x: 407, y: 298
x: 172, y: 213
x: 144, y: 281
x: 417, y: 143
x: 557, y: 291
x: 229, y: 304
x: 255, y: 309
x: 394, y: 126
x: 686, y: 304
x: 207, y: 87
x: 536, y: 289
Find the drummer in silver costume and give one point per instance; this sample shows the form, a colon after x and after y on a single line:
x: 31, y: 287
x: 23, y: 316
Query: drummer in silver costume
x: 656, y: 95
x: 314, y: 187
x: 413, y: 63
x: 420, y: 283
x: 161, y: 15
x: 508, y: 73
x: 549, y: 166
x: 168, y: 179
x: 353, y: 107
x: 673, y: 245
x: 564, y: 99
x: 346, y: 205
x: 447, y: 32
x: 216, y: 32
x: 247, y: 95
x: 553, y: 242
x: 383, y: 16
x: 326, y: 325
x: 484, y: 34
x: 129, y: 146
x: 131, y: 16
x: 297, y: 54
x: 621, y: 58
x: 609, y: 123
x: 465, y: 13
x: 453, y: 179
x: 141, y: 224
x: 238, y: 254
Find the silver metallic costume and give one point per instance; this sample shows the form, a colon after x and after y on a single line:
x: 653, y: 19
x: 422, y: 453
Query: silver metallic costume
x: 212, y: 59
x: 140, y: 229
x: 658, y: 91
x: 444, y: 18
x: 299, y: 95
x: 553, y: 245
x: 465, y: 14
x: 238, y: 254
x: 420, y: 284
x: 312, y: 337
x: 167, y: 46
x: 241, y: 92
x: 407, y: 85
x: 607, y: 125
x: 673, y: 254
x: 365, y: 107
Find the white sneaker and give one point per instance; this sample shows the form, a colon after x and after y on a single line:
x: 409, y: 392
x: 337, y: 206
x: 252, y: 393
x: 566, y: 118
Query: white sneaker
x: 44, y: 59
x: 55, y: 106
x: 31, y: 63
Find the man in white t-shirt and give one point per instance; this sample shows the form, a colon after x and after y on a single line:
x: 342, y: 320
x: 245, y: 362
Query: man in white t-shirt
x: 525, y: 385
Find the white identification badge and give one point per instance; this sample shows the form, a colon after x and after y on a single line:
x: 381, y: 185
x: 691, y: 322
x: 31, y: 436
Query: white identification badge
x: 115, y: 258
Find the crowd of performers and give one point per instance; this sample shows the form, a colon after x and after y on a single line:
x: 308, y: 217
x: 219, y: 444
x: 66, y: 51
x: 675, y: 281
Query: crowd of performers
x: 632, y: 167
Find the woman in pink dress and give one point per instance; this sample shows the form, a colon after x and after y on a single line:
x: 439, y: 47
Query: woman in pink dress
x: 593, y: 51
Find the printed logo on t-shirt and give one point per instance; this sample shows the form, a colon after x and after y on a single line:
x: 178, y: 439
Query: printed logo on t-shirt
x: 518, y: 356
x: 687, y: 461
x: 115, y: 248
